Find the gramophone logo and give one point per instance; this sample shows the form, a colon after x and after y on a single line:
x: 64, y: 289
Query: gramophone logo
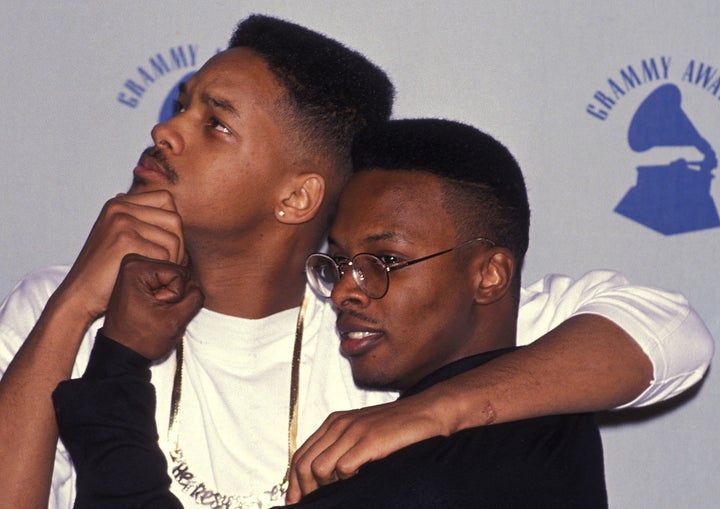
x: 673, y: 197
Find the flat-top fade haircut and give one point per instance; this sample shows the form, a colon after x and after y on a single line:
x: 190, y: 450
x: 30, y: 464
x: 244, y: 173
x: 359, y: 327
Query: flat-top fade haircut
x: 334, y: 91
x: 483, y: 186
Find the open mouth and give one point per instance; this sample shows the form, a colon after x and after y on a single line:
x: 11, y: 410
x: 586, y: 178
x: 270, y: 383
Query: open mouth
x: 356, y: 339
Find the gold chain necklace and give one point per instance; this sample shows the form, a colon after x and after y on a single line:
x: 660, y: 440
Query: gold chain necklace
x: 200, y: 491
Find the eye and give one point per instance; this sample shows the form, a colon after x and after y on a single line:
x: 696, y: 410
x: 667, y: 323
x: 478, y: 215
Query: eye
x: 178, y: 107
x: 389, y: 260
x: 214, y: 123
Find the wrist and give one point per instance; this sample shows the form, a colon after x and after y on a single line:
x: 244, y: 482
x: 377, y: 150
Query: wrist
x: 53, y: 343
x: 110, y: 358
x: 72, y: 304
x: 460, y: 406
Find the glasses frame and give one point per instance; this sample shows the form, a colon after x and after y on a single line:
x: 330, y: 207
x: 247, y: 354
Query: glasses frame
x: 340, y: 262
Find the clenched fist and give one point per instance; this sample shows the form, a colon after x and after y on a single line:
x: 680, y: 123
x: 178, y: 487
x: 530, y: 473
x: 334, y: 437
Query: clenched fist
x: 151, y: 304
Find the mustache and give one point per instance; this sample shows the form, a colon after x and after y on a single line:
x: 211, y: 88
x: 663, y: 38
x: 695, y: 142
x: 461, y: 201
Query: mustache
x: 357, y: 315
x: 158, y: 156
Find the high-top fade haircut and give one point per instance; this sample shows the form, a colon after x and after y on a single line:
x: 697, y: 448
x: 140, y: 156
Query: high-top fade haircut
x: 483, y: 187
x: 334, y: 92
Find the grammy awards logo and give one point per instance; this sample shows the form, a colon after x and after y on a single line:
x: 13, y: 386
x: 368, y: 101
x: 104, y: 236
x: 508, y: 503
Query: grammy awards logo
x: 154, y: 71
x: 151, y: 76
x: 675, y: 197
x: 674, y: 194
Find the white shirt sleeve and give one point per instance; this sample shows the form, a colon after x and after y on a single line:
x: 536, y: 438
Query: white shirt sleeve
x: 670, y: 333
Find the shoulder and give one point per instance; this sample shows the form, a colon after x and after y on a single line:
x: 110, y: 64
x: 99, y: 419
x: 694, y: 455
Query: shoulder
x: 22, y: 307
x: 548, y: 459
x: 26, y: 301
x: 37, y: 286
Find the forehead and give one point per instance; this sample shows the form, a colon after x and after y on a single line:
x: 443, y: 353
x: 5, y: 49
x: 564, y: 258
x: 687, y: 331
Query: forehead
x: 408, y: 203
x: 237, y: 74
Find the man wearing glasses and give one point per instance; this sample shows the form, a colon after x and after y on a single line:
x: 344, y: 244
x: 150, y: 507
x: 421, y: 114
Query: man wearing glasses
x: 411, y: 312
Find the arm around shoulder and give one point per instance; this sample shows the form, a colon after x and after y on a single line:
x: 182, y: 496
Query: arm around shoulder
x: 601, y: 344
x: 662, y: 324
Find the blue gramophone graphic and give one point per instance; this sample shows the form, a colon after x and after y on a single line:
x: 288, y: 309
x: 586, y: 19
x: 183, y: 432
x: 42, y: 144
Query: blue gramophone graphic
x: 672, y: 198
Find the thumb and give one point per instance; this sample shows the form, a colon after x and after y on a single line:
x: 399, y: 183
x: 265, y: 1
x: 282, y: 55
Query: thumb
x: 181, y: 312
x: 168, y: 283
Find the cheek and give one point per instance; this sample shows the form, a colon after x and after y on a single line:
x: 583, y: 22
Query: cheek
x: 429, y: 316
x: 414, y: 324
x: 418, y: 302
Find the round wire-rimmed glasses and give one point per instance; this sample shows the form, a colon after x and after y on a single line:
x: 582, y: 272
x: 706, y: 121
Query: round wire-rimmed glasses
x: 369, y: 271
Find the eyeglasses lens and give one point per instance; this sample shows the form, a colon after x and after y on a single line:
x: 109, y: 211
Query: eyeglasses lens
x: 323, y: 274
x: 370, y: 275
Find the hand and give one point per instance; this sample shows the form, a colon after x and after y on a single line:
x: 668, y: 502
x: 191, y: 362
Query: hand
x: 348, y: 440
x: 145, y: 223
x: 151, y: 304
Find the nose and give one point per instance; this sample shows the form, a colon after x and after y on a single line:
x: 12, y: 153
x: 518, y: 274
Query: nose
x: 166, y: 135
x: 346, y: 291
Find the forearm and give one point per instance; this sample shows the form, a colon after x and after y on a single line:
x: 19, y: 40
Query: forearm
x: 585, y: 364
x: 662, y: 324
x: 107, y: 422
x: 147, y: 224
x: 28, y: 433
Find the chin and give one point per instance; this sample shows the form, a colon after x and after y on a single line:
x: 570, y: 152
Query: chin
x: 374, y: 381
x: 145, y: 187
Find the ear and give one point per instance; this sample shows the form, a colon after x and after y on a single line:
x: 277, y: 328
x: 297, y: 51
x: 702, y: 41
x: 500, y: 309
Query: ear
x: 301, y: 199
x: 494, y: 275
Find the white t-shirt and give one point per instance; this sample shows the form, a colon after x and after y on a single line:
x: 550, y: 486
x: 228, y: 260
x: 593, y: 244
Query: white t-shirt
x: 236, y: 379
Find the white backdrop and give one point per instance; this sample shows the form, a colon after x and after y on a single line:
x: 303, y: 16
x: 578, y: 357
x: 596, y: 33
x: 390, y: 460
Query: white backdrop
x: 524, y: 71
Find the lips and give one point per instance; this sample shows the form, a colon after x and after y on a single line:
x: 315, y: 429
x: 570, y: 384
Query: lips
x: 154, y: 167
x: 148, y: 169
x: 357, y: 337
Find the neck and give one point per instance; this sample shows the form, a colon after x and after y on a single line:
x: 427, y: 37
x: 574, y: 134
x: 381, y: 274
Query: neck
x: 494, y: 328
x: 251, y: 282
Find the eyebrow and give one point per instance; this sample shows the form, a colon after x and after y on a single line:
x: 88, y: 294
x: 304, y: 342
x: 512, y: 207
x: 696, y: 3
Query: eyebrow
x: 223, y: 104
x: 376, y: 237
x: 214, y: 102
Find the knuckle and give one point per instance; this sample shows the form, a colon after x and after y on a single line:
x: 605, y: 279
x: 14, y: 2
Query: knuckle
x: 332, y: 417
x: 351, y: 427
x: 344, y: 468
x: 113, y: 208
x: 340, y: 420
x: 320, y: 469
x: 111, y: 205
x: 302, y: 466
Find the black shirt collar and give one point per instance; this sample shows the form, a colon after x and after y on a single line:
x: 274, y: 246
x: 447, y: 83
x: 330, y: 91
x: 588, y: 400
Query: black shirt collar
x: 454, y: 369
